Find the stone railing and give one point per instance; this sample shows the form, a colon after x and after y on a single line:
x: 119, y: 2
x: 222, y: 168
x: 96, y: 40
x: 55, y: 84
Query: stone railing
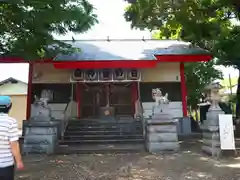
x: 139, y: 114
x: 70, y: 112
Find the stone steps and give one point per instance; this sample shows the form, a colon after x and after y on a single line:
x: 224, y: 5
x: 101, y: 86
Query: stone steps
x: 100, y: 148
x: 92, y: 135
x: 100, y: 141
x: 102, y: 136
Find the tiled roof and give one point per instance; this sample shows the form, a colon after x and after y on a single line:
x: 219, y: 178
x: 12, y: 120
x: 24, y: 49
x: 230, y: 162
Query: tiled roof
x: 127, y: 49
x: 10, y: 79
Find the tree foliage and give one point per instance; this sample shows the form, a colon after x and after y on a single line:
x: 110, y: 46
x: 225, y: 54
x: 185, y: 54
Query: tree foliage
x: 198, y: 75
x: 27, y: 26
x: 206, y: 23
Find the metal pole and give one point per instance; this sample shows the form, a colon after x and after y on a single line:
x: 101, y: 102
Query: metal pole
x: 230, y: 83
x: 138, y: 88
x: 108, y: 94
x: 72, y: 91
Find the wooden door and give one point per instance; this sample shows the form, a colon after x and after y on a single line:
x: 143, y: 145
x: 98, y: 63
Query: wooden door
x: 93, y: 97
x: 121, y: 98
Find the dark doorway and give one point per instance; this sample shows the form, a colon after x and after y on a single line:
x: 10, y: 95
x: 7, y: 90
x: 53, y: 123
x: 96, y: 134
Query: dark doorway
x: 96, y: 95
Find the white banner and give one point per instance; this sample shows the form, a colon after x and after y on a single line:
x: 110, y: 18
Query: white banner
x: 226, y: 132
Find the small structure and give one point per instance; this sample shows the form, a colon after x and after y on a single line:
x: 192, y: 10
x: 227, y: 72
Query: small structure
x: 113, y: 79
x: 17, y: 90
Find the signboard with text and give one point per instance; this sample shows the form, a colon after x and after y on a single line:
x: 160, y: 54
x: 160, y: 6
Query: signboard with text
x: 226, y: 132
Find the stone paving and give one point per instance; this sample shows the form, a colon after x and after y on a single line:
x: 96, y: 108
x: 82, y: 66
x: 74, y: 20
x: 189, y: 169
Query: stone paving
x: 189, y: 163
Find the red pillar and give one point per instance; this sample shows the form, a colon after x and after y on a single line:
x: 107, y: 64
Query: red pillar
x: 134, y: 95
x: 78, y: 98
x: 183, y: 90
x: 29, y: 91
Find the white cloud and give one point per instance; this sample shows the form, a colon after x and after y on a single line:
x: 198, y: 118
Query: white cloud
x: 111, y: 23
x: 18, y: 71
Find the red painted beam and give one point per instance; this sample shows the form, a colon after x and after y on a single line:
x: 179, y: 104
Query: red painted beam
x: 183, y: 90
x: 106, y: 64
x: 134, y: 89
x: 184, y: 58
x: 29, y: 91
x: 78, y: 98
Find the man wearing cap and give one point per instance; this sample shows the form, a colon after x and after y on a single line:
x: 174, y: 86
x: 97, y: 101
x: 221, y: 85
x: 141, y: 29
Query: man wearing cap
x: 9, y: 146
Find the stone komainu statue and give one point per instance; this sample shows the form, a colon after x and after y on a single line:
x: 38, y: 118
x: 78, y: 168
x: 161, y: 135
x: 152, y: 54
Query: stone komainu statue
x: 158, y: 97
x: 40, y: 109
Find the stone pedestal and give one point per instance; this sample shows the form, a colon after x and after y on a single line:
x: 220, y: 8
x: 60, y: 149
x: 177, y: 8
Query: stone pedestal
x: 211, y: 140
x: 211, y: 136
x: 161, y: 132
x: 58, y: 122
x: 40, y: 137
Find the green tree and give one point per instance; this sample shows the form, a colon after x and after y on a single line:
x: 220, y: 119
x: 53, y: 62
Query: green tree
x: 27, y: 26
x: 198, y: 75
x: 206, y: 23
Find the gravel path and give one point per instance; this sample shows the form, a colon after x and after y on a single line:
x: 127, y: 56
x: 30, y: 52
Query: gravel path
x: 189, y: 163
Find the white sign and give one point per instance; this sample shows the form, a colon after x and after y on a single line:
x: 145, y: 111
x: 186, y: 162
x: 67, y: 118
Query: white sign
x: 226, y: 132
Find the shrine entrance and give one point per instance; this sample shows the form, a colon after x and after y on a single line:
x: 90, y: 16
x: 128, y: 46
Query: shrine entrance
x: 97, y: 95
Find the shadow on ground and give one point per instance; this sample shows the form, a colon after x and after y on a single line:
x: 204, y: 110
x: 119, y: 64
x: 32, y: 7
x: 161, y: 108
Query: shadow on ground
x: 188, y: 163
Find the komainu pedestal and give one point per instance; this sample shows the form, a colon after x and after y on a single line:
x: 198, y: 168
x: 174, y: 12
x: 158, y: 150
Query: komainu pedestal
x: 40, y: 138
x: 40, y: 132
x: 161, y: 129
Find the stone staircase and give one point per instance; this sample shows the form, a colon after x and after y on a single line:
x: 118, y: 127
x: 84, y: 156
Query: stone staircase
x: 99, y: 136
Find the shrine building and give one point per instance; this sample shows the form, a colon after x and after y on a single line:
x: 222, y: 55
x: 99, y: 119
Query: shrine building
x: 112, y: 78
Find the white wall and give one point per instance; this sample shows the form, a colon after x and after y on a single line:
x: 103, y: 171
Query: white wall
x: 164, y: 72
x: 175, y: 109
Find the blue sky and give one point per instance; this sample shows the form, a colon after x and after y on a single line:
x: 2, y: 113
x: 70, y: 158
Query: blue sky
x: 111, y: 23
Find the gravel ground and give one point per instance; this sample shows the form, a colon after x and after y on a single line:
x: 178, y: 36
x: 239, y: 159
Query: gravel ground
x: 189, y: 163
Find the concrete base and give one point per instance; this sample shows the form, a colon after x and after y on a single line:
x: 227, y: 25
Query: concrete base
x: 161, y: 133
x: 29, y: 123
x: 211, y: 140
x: 40, y: 137
x: 162, y: 146
x: 210, y: 129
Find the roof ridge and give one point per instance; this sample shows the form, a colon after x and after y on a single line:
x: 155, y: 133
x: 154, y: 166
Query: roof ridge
x: 114, y: 39
x: 13, y: 78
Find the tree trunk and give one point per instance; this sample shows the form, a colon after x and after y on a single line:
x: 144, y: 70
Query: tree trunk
x: 238, y: 97
x: 196, y: 114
